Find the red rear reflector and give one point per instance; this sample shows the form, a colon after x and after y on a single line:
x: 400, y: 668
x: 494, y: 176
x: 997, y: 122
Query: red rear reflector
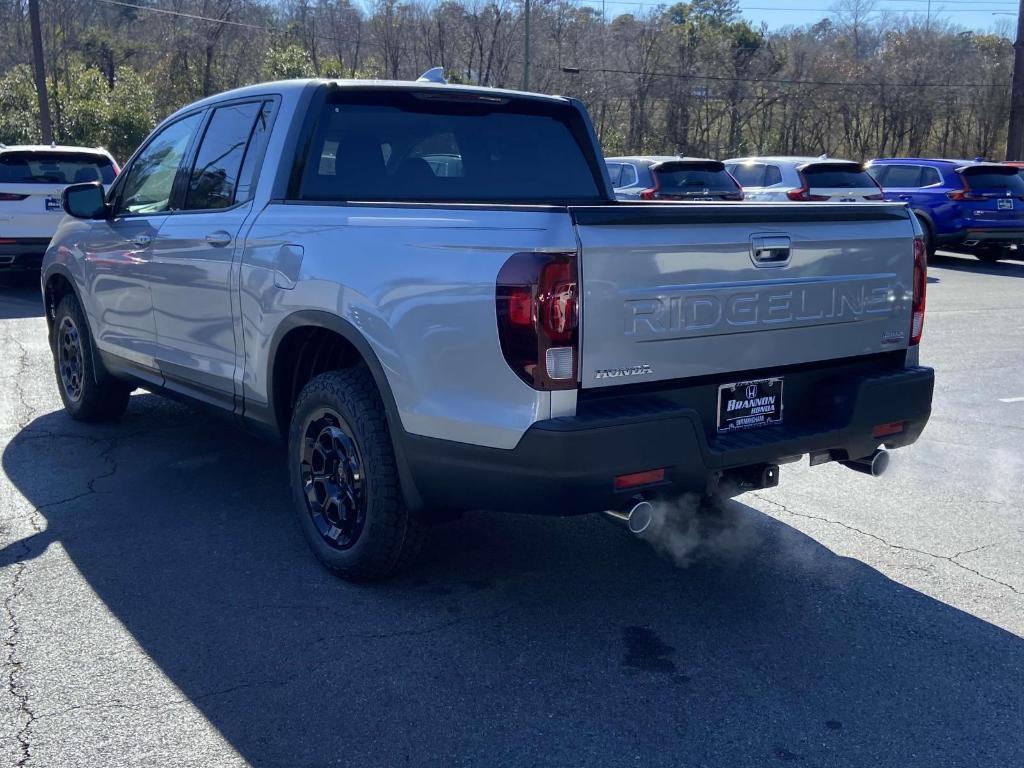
x: 892, y: 428
x: 520, y: 308
x: 11, y: 196
x: 639, y: 478
x: 7, y: 240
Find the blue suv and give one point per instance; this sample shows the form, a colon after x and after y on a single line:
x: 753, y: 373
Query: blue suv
x: 967, y: 205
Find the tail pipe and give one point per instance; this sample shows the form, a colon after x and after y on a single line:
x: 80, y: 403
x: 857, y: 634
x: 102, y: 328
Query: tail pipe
x: 874, y: 465
x: 638, y: 517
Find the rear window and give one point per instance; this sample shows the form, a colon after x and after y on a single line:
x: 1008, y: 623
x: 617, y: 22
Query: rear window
x: 832, y: 177
x: 756, y: 174
x: 405, y: 147
x: 54, y: 168
x: 995, y: 180
x: 693, y: 178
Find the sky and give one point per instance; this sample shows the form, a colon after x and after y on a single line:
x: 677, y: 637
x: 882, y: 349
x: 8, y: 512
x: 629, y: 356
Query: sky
x: 977, y: 15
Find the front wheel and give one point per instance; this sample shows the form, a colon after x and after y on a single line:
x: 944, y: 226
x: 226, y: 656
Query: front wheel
x: 344, y: 478
x: 86, y: 396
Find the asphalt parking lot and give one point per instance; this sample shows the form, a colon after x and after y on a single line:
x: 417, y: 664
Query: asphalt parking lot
x: 162, y: 609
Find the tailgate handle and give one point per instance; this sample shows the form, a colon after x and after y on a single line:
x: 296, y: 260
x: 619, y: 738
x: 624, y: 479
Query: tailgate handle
x: 770, y: 250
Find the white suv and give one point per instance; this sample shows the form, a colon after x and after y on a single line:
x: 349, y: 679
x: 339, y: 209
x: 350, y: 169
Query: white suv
x: 32, y: 179
x: 802, y: 179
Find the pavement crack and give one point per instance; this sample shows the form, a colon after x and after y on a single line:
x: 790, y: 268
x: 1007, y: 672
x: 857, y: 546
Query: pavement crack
x: 15, y: 683
x: 947, y: 558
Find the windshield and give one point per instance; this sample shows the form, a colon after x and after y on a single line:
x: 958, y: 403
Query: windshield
x: 55, y: 168
x: 837, y: 177
x: 694, y: 179
x: 412, y: 147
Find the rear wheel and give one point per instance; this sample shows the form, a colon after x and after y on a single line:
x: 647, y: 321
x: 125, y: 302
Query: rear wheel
x: 86, y: 396
x: 344, y: 478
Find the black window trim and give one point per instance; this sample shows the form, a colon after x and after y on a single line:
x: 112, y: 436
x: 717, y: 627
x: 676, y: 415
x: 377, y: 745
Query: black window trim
x: 179, y: 194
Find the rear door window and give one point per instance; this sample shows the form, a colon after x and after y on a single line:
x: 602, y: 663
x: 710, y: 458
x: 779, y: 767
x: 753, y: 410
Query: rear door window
x: 837, y: 176
x: 55, y: 168
x: 615, y: 173
x: 693, y: 179
x: 215, y: 172
x: 900, y: 176
x: 408, y: 147
x: 750, y: 174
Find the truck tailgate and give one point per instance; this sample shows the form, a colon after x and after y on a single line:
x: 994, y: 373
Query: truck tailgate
x: 684, y: 290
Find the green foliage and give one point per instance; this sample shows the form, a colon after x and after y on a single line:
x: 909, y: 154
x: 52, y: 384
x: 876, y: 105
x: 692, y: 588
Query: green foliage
x: 86, y: 110
x: 288, y: 62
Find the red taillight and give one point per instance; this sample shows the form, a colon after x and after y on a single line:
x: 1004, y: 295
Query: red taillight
x: 537, y: 303
x: 880, y: 195
x: 965, y: 193
x: 636, y: 479
x: 647, y: 194
x: 804, y: 193
x: 920, y: 289
x: 11, y: 196
x: 737, y: 195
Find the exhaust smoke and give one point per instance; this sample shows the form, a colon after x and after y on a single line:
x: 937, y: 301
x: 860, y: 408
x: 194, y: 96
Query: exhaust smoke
x: 694, y: 527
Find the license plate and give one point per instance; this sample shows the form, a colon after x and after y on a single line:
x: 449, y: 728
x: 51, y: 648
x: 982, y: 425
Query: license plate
x: 749, y: 404
x: 53, y: 203
x: 1005, y: 204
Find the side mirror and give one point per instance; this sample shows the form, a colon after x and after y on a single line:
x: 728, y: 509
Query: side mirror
x: 85, y: 201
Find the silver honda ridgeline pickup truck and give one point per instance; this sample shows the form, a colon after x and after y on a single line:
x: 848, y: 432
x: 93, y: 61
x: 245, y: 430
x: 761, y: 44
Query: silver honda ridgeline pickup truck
x: 431, y: 292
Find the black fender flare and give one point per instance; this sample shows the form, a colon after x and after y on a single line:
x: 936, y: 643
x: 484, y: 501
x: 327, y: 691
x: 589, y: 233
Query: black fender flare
x: 307, y: 318
x: 99, y: 370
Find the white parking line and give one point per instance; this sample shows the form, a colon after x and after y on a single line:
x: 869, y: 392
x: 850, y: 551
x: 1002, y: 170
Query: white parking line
x: 1011, y: 399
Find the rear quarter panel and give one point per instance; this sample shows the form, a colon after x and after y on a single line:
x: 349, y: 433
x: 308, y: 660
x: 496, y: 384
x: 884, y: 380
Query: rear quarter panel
x: 418, y: 283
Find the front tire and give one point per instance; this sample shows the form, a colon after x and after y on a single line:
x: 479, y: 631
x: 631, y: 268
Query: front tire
x: 86, y: 396
x: 344, y: 479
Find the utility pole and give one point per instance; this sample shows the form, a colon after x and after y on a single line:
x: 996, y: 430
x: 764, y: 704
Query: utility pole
x: 526, y: 46
x: 39, y: 68
x: 1015, y: 130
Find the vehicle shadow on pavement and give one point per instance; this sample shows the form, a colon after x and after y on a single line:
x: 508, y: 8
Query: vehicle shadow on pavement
x: 20, y: 296
x: 967, y: 263
x: 519, y: 641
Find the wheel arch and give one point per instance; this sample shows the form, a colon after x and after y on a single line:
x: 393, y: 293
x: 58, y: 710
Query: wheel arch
x: 309, y: 342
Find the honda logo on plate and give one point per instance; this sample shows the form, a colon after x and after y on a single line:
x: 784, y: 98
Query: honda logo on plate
x: 751, y: 391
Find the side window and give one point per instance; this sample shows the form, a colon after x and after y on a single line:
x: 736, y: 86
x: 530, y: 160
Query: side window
x: 615, y: 172
x: 747, y: 174
x: 772, y: 175
x: 148, y: 182
x: 214, y: 176
x: 628, y: 176
x: 930, y: 176
x: 903, y: 176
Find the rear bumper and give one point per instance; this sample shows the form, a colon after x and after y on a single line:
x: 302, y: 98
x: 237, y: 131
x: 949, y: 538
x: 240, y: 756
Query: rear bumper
x: 22, y: 253
x: 984, y: 236
x: 566, y: 466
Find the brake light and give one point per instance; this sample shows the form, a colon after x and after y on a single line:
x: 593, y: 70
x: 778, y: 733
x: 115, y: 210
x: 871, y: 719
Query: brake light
x: 537, y: 305
x: 880, y: 195
x: 917, y: 301
x: 647, y: 194
x: 804, y: 193
x: 10, y: 196
x: 965, y: 193
x: 886, y: 430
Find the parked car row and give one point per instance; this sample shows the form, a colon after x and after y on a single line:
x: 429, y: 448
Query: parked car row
x: 32, y: 179
x: 970, y: 205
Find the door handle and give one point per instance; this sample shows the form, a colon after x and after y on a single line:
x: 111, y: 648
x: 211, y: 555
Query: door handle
x: 770, y: 250
x: 142, y: 241
x: 904, y: 197
x: 218, y: 239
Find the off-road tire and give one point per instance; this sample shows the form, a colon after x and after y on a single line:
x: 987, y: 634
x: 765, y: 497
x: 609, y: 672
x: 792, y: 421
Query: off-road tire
x: 86, y: 396
x: 390, y: 537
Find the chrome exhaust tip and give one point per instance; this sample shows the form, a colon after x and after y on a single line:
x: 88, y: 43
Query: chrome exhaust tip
x: 874, y: 465
x: 638, y: 518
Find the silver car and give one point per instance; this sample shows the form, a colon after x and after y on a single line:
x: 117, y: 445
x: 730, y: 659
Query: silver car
x: 803, y: 179
x: 669, y: 177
